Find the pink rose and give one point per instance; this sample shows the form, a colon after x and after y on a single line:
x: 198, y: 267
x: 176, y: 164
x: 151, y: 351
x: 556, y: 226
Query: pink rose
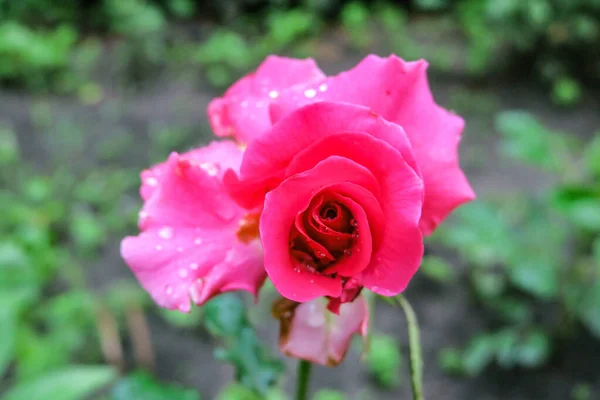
x: 196, y: 242
x: 342, y: 202
x: 396, y: 90
x: 310, y: 332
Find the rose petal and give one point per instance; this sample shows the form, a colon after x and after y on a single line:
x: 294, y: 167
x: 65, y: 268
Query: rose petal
x: 243, y: 111
x: 399, y: 92
x: 319, y: 336
x: 189, y: 249
x: 281, y: 207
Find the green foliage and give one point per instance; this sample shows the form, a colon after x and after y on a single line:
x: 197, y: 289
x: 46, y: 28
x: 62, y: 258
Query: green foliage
x: 383, y: 360
x: 141, y: 385
x: 528, y: 141
x: 72, y: 383
x: 525, y: 253
x: 326, y: 394
x: 355, y: 20
x: 437, y: 269
x: 34, y: 57
x: 225, y: 317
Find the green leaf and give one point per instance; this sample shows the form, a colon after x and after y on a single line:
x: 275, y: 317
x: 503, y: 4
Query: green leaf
x: 590, y: 309
x: 536, y: 277
x: 225, y: 315
x: 141, y: 385
x: 328, y: 394
x: 437, y: 269
x: 383, y: 360
x: 416, y: 358
x: 450, y: 361
x: 525, y: 139
x: 592, y: 155
x: 70, y: 383
x: 11, y: 301
x: 478, y: 354
x: 534, y: 349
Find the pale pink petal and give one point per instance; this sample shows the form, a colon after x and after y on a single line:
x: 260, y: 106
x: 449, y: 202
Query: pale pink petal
x: 317, y: 335
x: 189, y: 249
x: 243, y: 111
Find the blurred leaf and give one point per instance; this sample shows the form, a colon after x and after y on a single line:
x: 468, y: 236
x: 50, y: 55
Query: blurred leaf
x: 525, y: 139
x: 383, y: 360
x: 9, y: 146
x: 225, y: 315
x: 592, y: 155
x: 566, y: 91
x: 538, y: 278
x: 142, y: 385
x: 581, y: 205
x: 437, y: 269
x: 590, y: 309
x: 11, y: 301
x: 254, y: 367
x: 478, y: 354
x: 328, y: 394
x: 534, y: 349
x: 70, y: 383
x: 450, y: 361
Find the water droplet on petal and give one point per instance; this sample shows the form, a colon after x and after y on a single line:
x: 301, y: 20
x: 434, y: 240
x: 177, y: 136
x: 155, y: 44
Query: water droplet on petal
x: 166, y: 232
x: 210, y: 168
x: 273, y: 94
x: 320, y: 254
x: 169, y: 290
x: 198, y: 241
x: 323, y: 87
x: 355, y: 235
x: 297, y: 269
x: 159, y: 247
x: 143, y: 214
x: 183, y: 273
x: 151, y: 181
x: 353, y: 222
x: 310, y: 93
x: 194, y: 266
x: 347, y: 252
x: 195, y: 290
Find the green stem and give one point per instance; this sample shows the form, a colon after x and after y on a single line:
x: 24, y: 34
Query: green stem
x: 416, y: 360
x: 303, y: 380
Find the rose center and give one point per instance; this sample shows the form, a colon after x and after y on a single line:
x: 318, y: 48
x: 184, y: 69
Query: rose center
x: 323, y: 234
x: 329, y: 213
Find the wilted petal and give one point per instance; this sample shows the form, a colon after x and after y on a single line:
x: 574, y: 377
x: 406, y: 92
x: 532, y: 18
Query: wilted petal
x: 311, y: 332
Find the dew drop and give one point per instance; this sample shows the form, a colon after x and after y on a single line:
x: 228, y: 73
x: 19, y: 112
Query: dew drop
x: 347, y: 252
x: 210, y: 168
x: 159, y: 247
x: 355, y: 235
x: 323, y: 87
x: 297, y: 269
x: 166, y: 232
x: 310, y: 93
x: 198, y: 241
x: 143, y: 214
x: 194, y: 266
x: 169, y: 290
x: 320, y: 254
x: 152, y: 181
x: 273, y: 94
x: 353, y: 222
x: 183, y: 273
x: 195, y: 290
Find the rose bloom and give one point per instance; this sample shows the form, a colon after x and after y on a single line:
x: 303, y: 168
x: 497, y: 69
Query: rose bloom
x: 340, y: 179
x: 350, y: 171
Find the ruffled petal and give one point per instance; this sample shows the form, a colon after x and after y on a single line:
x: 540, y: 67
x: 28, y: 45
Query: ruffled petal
x: 243, y: 112
x: 189, y: 249
x: 399, y: 92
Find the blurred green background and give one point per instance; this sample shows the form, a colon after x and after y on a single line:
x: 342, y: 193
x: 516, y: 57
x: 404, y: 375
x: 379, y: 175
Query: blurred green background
x: 93, y: 91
